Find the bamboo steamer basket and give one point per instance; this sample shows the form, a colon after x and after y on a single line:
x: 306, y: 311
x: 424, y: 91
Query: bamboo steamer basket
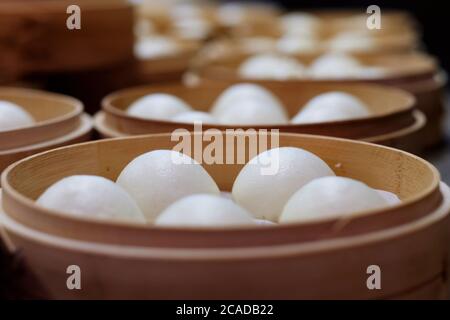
x: 162, y: 18
x: 55, y: 115
x: 414, y: 180
x: 157, y: 13
x: 34, y: 36
x: 400, y: 67
x: 392, y: 123
x: 412, y: 253
x: 59, y: 121
x: 431, y: 99
x: 218, y: 57
x: 162, y: 14
x: 250, y: 18
x: 415, y: 72
x: 319, y: 270
x: 401, y: 41
x: 395, y: 43
x: 412, y: 259
x: 332, y: 22
x: 392, y: 20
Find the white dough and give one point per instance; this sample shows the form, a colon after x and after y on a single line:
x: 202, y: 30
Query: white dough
x: 152, y: 47
x: 371, y: 72
x: 334, y: 65
x: 13, y: 116
x: 337, y: 65
x: 271, y: 66
x: 389, y: 197
x: 192, y: 28
x: 156, y: 179
x: 194, y: 116
x: 226, y: 194
x: 231, y: 14
x: 300, y: 24
x: 331, y: 197
x: 234, y: 13
x: 265, y: 193
x: 237, y: 92
x: 331, y: 106
x: 91, y: 197
x: 252, y: 112
x: 185, y: 11
x: 264, y: 223
x: 204, y: 210
x: 296, y: 45
x: 158, y: 106
x: 352, y: 41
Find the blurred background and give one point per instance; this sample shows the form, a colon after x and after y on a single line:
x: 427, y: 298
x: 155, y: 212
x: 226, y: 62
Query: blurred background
x: 430, y: 15
x: 199, y: 22
x: 138, y: 42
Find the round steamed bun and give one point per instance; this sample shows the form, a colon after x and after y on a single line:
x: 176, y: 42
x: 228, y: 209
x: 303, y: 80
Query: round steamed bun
x: 13, y: 116
x: 92, y: 197
x: 270, y: 66
x: 334, y: 65
x: 158, y: 178
x: 204, y: 210
x: 152, y: 47
x: 296, y: 45
x: 252, y: 112
x: 331, y: 197
x: 237, y: 92
x: 264, y: 193
x: 352, y: 41
x: 332, y: 106
x: 389, y: 197
x: 158, y: 106
x: 300, y: 24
